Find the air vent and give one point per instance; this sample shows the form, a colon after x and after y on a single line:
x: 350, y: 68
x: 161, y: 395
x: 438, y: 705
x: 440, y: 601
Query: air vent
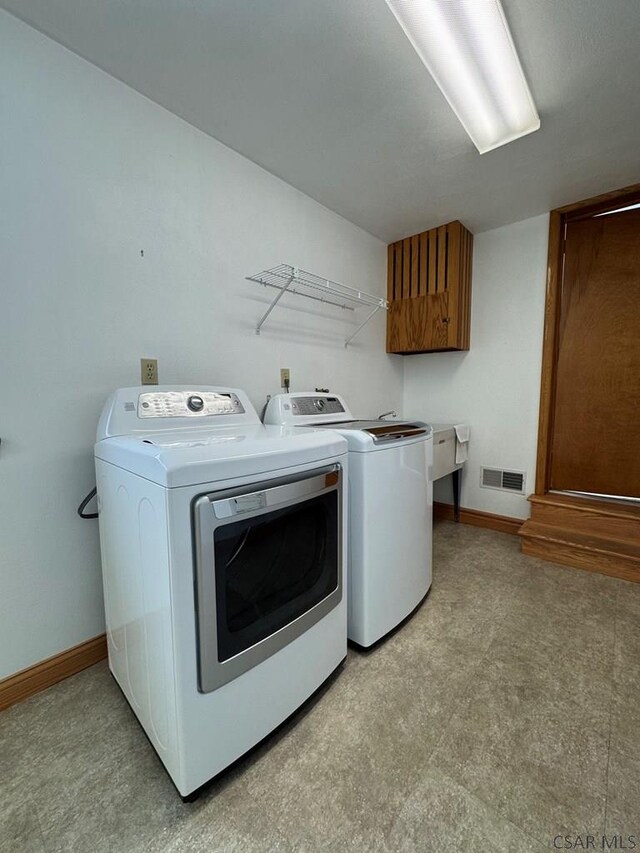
x: 508, y: 481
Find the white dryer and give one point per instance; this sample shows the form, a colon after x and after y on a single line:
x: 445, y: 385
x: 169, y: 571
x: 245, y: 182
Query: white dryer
x: 390, y: 508
x: 223, y: 544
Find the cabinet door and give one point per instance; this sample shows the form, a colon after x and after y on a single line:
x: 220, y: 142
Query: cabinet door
x: 429, y: 290
x: 419, y: 324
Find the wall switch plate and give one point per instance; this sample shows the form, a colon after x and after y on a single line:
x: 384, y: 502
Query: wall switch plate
x: 284, y: 377
x: 149, y: 371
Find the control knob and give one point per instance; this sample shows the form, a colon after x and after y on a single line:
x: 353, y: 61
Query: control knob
x: 195, y: 403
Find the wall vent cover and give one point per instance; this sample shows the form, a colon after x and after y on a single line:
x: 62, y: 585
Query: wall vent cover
x: 507, y: 481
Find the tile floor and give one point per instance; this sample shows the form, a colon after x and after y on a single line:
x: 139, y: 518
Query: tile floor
x: 504, y: 714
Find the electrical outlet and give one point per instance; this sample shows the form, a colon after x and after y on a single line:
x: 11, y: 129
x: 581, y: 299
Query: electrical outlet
x: 149, y: 371
x: 284, y: 377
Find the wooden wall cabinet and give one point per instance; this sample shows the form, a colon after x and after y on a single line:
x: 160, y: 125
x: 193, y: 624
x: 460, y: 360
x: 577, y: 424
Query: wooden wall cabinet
x: 429, y: 290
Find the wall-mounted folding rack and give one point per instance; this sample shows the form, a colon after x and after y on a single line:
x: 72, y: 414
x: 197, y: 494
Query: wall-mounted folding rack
x: 288, y: 279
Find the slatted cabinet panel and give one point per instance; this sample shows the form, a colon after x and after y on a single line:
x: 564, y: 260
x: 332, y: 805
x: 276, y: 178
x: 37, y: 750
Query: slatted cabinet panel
x: 429, y: 288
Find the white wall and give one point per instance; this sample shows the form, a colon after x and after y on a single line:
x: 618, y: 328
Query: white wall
x: 495, y: 387
x: 124, y: 233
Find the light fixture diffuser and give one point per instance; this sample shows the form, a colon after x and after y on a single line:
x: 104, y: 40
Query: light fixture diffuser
x: 618, y: 210
x: 467, y: 48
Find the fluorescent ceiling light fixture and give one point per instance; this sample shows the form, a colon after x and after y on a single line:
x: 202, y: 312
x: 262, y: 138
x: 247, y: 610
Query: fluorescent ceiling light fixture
x: 618, y: 210
x: 467, y: 47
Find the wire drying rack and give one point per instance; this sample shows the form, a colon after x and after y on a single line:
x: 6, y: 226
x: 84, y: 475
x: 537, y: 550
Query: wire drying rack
x: 287, y: 279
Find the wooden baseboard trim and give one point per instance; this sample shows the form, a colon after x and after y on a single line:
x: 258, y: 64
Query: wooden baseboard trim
x: 48, y: 672
x: 477, y: 518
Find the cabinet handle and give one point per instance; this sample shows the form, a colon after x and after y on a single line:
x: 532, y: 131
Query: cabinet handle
x: 445, y: 319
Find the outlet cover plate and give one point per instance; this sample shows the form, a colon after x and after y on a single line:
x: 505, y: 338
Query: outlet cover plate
x: 148, y: 371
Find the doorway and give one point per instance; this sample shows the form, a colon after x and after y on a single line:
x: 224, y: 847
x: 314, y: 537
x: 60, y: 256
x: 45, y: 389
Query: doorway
x: 589, y: 430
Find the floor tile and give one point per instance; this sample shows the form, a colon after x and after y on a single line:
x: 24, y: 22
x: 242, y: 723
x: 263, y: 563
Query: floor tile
x: 626, y: 666
x: 536, y: 756
x: 20, y: 828
x: 442, y: 815
x: 623, y: 791
x: 628, y: 598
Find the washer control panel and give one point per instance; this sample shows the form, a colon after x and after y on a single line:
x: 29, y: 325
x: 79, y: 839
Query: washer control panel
x: 316, y: 406
x: 180, y: 404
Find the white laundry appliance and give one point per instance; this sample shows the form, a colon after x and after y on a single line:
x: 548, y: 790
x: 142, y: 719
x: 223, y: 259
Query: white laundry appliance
x: 223, y: 544
x: 390, y: 508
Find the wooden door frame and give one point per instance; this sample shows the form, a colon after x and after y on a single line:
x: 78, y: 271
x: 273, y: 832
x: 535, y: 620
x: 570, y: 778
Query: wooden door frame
x: 557, y: 223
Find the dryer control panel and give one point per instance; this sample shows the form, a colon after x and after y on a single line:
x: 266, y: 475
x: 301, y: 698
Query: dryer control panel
x: 132, y: 411
x: 184, y: 404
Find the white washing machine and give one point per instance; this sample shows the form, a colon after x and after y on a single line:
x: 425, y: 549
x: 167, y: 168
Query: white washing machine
x: 223, y: 545
x: 390, y: 508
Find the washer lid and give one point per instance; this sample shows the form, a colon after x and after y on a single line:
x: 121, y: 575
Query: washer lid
x: 381, y: 430
x: 185, y: 457
x: 361, y: 434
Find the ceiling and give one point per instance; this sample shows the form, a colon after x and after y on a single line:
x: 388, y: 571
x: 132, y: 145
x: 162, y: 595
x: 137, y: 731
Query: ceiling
x: 330, y: 96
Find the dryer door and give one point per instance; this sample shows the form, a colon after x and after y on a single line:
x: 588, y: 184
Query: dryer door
x: 267, y: 568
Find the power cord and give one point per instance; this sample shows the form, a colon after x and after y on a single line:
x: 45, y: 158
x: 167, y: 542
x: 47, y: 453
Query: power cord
x: 264, y: 408
x: 84, y: 503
